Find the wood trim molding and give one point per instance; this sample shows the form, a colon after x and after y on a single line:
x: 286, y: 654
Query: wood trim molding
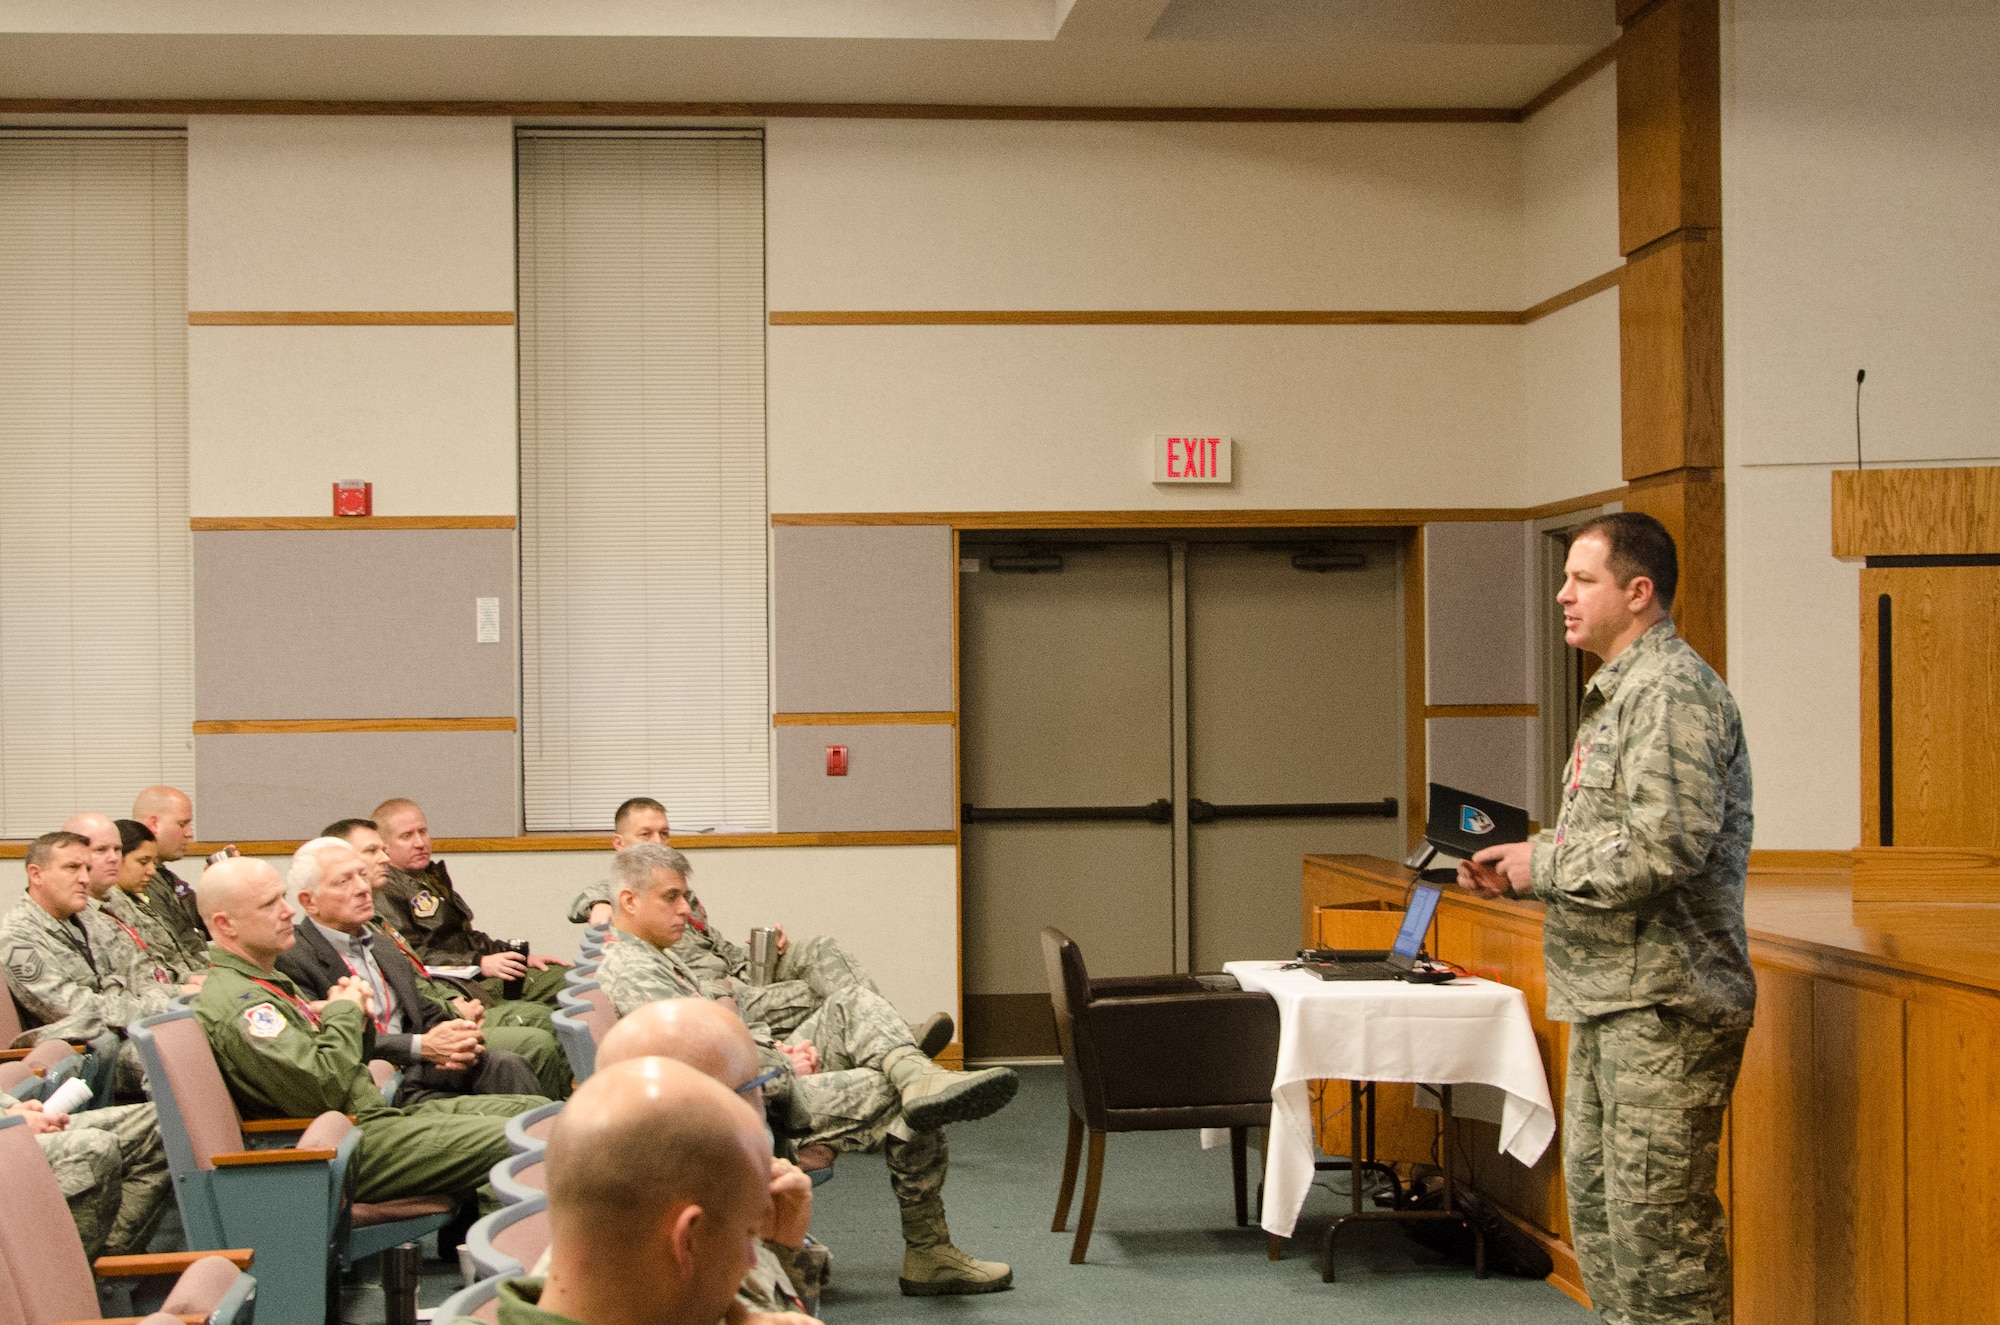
x: 1196, y: 317
x: 208, y: 524
x: 1416, y: 682
x: 1384, y: 517
x: 1570, y: 81
x: 349, y: 318
x: 1482, y: 710
x: 322, y: 726
x: 1766, y: 862
x: 834, y: 110
x: 593, y: 842
x: 245, y: 1158
x: 1927, y: 875
x: 863, y: 719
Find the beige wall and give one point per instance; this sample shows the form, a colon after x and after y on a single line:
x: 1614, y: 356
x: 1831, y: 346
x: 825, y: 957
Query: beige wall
x: 1859, y: 195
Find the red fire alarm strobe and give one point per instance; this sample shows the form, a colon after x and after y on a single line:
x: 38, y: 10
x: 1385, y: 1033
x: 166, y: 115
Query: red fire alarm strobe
x: 351, y: 496
x: 836, y: 761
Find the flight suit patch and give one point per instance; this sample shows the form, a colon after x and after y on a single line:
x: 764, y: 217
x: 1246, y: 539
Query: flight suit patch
x: 424, y: 905
x: 264, y: 1022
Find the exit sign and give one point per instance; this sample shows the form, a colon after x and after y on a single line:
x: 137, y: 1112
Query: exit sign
x: 1178, y: 459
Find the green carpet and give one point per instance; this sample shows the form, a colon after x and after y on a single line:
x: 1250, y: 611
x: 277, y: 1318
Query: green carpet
x: 1166, y: 1247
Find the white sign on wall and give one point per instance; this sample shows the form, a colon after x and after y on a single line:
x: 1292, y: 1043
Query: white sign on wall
x: 1190, y: 459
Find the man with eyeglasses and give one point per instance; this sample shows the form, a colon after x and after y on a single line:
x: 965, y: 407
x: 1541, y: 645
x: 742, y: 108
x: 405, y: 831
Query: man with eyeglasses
x: 850, y: 1076
x: 707, y: 1037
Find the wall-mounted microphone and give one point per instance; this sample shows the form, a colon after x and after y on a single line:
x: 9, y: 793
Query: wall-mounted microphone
x: 1860, y: 376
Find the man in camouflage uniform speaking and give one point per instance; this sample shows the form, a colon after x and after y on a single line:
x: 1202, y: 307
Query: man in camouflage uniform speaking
x: 1644, y: 938
x: 848, y: 1077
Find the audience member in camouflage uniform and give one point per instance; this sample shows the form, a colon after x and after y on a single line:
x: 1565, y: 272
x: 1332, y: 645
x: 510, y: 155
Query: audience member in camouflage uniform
x: 130, y: 952
x: 133, y: 905
x: 283, y: 1057
x: 807, y: 973
x: 420, y: 901
x: 1644, y: 938
x: 66, y: 963
x: 111, y: 1168
x: 169, y: 815
x: 658, y: 1185
x: 849, y: 1076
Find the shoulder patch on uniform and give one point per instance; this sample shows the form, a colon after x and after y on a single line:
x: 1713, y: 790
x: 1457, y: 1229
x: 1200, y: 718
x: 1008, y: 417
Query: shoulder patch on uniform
x: 424, y: 905
x: 25, y: 963
x: 264, y: 1022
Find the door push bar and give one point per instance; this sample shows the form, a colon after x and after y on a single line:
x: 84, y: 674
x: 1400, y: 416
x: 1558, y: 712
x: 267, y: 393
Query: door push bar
x: 1162, y: 812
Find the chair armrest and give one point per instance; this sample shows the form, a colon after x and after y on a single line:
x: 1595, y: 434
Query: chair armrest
x: 1184, y: 1049
x: 14, y: 1055
x: 166, y: 1262
x: 253, y: 1126
x: 1139, y: 986
x: 130, y: 1320
x: 234, y: 1159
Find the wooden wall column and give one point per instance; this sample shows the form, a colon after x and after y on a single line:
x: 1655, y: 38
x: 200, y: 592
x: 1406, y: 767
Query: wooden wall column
x: 1670, y: 297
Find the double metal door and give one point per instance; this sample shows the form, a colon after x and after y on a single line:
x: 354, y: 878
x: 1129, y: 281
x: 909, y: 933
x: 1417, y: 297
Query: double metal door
x: 1154, y: 734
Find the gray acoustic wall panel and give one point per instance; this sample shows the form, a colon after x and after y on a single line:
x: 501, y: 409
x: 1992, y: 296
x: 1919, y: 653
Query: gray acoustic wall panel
x: 1476, y: 614
x: 861, y: 619
x: 366, y: 623
x: 898, y: 778
x: 1491, y: 757
x: 292, y: 785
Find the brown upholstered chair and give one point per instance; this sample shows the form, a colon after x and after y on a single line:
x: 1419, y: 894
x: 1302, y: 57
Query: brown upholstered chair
x: 44, y: 1276
x: 1155, y: 1053
x: 20, y: 1064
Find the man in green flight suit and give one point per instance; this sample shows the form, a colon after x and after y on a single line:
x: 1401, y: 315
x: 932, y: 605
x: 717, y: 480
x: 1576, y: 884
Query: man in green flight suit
x: 1644, y: 939
x: 169, y: 814
x: 284, y: 1057
x: 436, y: 920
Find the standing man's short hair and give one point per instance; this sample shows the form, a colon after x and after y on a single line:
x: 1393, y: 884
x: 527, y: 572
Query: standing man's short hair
x: 1639, y: 545
x: 632, y: 807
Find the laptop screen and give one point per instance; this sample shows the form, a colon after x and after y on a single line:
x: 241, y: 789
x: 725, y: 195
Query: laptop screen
x: 1416, y: 922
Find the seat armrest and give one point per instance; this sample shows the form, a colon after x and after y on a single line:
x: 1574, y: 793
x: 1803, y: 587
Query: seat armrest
x: 233, y: 1159
x: 254, y: 1126
x: 1148, y: 1047
x: 166, y: 1262
x: 1138, y: 986
x: 14, y: 1055
x: 131, y: 1320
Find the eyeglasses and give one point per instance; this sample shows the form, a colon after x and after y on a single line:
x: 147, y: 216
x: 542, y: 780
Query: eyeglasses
x: 757, y: 1083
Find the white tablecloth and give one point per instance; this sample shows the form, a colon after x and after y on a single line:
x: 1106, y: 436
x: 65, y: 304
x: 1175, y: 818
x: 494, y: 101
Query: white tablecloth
x: 1465, y: 1033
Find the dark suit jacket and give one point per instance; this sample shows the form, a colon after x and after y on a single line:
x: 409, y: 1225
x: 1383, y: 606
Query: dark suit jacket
x: 315, y: 966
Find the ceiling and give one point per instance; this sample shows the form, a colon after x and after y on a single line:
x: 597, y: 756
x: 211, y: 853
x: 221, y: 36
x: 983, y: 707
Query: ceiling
x: 1277, y: 53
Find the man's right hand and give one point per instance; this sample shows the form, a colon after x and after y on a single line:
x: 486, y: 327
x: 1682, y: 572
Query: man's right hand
x: 471, y: 1009
x: 805, y: 1058
x: 503, y: 965
x: 347, y: 989
x: 600, y: 913
x: 453, y: 1045
x: 39, y: 1121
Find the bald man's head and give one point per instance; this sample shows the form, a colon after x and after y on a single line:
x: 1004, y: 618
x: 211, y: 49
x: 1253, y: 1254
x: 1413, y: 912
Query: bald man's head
x: 106, y: 849
x: 705, y: 1035
x: 243, y: 901
x: 653, y: 1165
x: 170, y: 814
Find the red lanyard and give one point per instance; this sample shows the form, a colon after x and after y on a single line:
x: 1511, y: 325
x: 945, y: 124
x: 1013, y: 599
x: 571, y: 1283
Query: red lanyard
x: 133, y: 933
x: 305, y: 1008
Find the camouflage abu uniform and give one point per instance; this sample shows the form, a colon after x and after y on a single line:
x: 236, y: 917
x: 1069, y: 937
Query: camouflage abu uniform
x: 134, y: 950
x: 849, y: 1103
x: 77, y: 979
x: 281, y: 1062
x: 1648, y: 957
x: 172, y: 946
x: 112, y: 1171
x: 807, y: 974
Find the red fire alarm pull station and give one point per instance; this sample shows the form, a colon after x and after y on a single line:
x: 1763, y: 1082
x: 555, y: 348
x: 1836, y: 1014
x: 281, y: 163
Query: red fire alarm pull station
x: 836, y: 761
x: 351, y: 496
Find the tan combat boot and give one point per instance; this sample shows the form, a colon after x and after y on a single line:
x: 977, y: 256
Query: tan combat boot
x: 934, y: 1033
x: 934, y: 1096
x: 932, y: 1267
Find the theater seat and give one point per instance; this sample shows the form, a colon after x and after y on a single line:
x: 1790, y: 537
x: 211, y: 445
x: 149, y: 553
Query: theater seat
x: 509, y: 1241
x: 584, y: 1015
x: 518, y: 1177
x: 291, y: 1203
x: 45, y: 1278
x: 530, y: 1131
x: 479, y: 1301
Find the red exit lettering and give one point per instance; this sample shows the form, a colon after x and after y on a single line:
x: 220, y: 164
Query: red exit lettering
x: 1191, y: 457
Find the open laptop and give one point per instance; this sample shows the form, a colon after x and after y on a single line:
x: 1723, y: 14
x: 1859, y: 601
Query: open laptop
x: 1398, y: 963
x: 1460, y: 824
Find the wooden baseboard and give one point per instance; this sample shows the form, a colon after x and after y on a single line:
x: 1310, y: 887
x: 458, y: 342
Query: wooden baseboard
x: 1928, y: 875
x: 951, y: 1056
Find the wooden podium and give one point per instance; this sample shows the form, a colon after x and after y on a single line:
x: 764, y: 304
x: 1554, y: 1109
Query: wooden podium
x: 1930, y: 680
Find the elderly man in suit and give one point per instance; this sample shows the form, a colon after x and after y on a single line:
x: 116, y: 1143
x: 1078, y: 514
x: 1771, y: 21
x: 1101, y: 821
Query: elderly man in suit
x: 440, y: 1054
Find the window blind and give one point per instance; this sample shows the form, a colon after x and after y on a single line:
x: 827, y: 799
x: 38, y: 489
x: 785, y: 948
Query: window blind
x: 643, y: 528
x: 96, y: 646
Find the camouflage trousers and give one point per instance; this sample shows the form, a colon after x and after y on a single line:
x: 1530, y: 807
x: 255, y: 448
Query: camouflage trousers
x: 1642, y: 1125
x: 850, y: 1102
x: 112, y: 1170
x: 808, y: 974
